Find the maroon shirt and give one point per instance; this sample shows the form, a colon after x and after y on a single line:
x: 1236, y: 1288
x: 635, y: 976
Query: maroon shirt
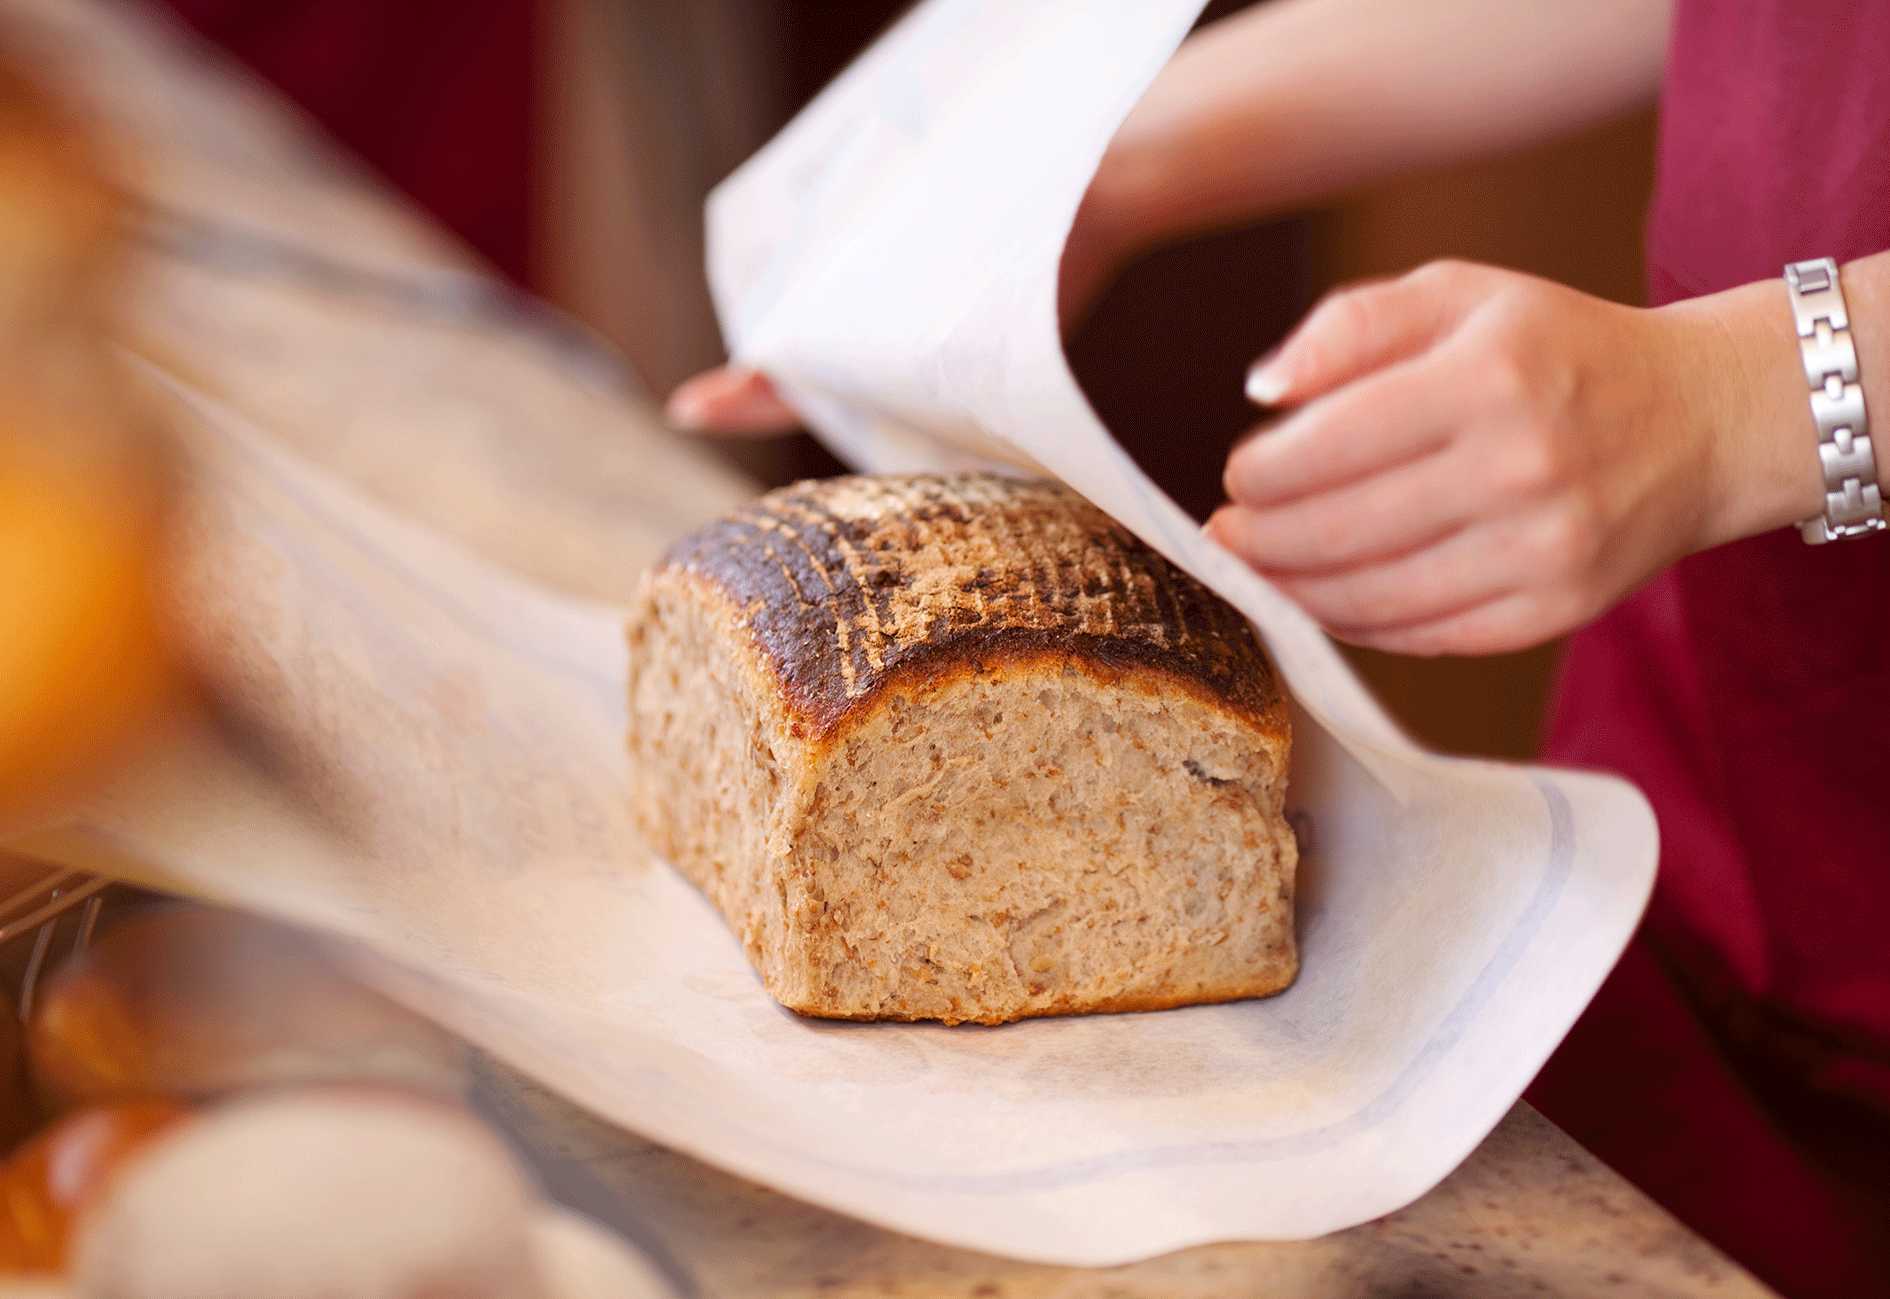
x: 1737, y: 1065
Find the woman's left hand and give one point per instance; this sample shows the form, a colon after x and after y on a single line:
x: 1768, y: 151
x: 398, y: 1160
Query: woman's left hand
x: 1478, y: 461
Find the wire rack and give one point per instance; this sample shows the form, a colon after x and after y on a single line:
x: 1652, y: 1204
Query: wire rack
x: 44, y: 923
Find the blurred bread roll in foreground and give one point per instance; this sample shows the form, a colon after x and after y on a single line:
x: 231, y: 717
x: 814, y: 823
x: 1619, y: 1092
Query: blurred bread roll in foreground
x: 578, y: 1259
x: 359, y: 1192
x: 197, y: 1002
x: 52, y: 1179
x: 82, y: 663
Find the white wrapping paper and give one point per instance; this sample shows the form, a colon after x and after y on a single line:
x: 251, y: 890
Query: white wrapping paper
x: 891, y: 261
x: 447, y: 786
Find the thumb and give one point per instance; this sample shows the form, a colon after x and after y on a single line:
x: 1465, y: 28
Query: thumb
x: 1361, y: 329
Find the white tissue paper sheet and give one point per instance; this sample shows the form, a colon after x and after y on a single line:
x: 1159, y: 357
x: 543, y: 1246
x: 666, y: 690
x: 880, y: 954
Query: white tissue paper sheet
x: 448, y: 772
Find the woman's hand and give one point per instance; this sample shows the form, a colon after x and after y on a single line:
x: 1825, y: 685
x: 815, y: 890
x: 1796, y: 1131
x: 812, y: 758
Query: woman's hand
x: 1479, y: 460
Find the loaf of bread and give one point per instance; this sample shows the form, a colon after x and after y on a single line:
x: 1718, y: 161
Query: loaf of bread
x: 963, y: 748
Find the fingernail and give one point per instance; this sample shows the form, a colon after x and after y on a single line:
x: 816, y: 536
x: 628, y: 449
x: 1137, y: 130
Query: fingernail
x: 1265, y: 384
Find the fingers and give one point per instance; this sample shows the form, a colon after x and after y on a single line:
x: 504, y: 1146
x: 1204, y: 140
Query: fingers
x: 1475, y: 461
x: 1373, y: 426
x: 1363, y: 329
x: 730, y: 400
x: 1389, y: 465
x: 1482, y: 588
x: 1517, y: 621
x: 1371, y: 520
x: 1471, y: 566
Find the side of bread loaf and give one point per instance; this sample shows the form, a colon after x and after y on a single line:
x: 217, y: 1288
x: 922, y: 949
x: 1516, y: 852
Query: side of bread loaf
x: 963, y: 749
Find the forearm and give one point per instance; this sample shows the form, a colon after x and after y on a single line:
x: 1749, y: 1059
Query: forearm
x: 1299, y: 98
x: 1294, y: 99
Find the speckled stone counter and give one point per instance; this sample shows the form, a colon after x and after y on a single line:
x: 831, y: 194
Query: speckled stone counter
x: 1529, y: 1214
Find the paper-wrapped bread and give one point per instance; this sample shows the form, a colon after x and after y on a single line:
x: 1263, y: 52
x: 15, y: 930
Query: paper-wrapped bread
x: 963, y: 748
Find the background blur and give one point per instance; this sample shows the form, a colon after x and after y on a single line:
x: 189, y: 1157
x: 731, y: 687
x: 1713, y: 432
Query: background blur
x: 572, y: 142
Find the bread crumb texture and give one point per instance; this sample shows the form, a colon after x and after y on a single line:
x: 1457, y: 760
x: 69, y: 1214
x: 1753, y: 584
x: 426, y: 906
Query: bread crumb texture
x: 963, y: 748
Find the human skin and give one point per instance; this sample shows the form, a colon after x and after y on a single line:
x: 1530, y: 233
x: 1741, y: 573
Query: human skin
x: 1467, y: 460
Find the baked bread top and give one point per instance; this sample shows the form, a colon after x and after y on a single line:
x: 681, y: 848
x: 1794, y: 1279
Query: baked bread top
x: 848, y: 584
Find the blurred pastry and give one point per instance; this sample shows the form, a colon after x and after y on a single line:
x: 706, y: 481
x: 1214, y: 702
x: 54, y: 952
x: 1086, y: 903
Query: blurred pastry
x: 578, y: 1259
x: 364, y: 1192
x: 82, y: 664
x: 197, y: 1002
x: 45, y: 1187
x: 19, y: 1108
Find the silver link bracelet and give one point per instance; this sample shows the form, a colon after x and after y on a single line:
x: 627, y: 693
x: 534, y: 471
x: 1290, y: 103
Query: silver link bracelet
x: 1853, y: 505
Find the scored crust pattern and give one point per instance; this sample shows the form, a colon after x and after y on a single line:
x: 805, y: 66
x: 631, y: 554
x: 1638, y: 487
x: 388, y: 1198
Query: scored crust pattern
x: 845, y: 583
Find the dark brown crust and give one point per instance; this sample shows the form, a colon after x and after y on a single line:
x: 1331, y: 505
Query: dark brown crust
x: 849, y: 584
x: 1124, y: 1003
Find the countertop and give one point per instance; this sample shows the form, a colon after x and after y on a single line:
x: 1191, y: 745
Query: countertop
x: 1530, y: 1213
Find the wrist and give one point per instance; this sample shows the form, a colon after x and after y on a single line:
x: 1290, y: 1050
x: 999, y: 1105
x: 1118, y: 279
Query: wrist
x: 1745, y: 390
